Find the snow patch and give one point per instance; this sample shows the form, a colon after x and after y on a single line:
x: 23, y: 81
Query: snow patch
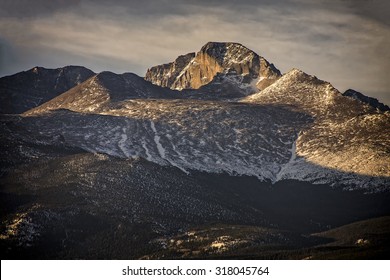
x: 148, y: 155
x: 291, y: 161
x: 157, y: 138
x: 122, y: 143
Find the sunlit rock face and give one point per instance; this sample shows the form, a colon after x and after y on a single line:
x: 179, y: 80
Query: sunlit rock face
x: 165, y: 75
x: 193, y: 71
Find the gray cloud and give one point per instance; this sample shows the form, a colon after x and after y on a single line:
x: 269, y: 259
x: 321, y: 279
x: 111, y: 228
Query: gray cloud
x: 28, y: 8
x: 377, y: 10
x: 333, y: 41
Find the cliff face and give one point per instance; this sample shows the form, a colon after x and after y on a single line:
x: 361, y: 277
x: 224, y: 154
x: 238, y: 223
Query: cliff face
x: 193, y: 71
x: 164, y: 75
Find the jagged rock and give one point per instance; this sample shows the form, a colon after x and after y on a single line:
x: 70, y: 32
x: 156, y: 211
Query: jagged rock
x: 164, y: 75
x: 193, y: 71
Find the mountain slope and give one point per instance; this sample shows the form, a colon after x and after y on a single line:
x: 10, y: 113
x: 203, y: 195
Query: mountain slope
x: 61, y: 202
x: 346, y: 135
x: 188, y: 134
x: 26, y: 90
x: 102, y: 90
x: 298, y: 128
x: 193, y: 71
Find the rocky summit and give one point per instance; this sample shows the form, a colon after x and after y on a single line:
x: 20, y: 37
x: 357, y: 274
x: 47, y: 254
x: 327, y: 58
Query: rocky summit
x: 192, y: 71
x: 215, y: 155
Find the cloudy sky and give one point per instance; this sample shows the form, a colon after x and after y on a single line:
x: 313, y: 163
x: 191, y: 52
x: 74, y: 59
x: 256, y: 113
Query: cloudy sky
x: 345, y: 42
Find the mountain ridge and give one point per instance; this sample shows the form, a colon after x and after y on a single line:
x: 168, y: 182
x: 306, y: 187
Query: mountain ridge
x: 103, y: 90
x: 29, y: 89
x: 211, y: 128
x: 118, y: 167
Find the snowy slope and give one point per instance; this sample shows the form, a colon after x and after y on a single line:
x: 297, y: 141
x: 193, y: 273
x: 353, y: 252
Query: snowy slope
x: 348, y: 142
x: 189, y: 134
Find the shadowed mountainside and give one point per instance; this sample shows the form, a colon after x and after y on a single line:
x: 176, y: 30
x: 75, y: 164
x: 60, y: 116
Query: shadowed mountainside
x: 29, y: 89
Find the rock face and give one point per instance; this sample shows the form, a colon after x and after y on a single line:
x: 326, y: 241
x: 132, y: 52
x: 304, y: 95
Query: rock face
x: 365, y: 99
x: 29, y: 89
x: 165, y: 75
x: 193, y: 71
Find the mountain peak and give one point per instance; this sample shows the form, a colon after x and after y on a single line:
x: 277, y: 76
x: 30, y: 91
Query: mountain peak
x: 227, y: 51
x: 301, y: 90
x: 213, y: 44
x: 31, y: 88
x: 298, y: 74
x: 103, y: 90
x: 195, y: 70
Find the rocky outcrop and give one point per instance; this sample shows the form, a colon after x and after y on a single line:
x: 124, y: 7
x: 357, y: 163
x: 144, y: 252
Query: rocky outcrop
x: 193, y: 71
x: 165, y: 75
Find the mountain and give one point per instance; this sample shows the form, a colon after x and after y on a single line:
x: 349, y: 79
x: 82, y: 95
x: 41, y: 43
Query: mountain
x: 366, y: 99
x: 345, y: 135
x: 193, y: 71
x: 122, y: 167
x: 102, y: 91
x: 299, y: 128
x: 28, y: 89
x: 64, y: 203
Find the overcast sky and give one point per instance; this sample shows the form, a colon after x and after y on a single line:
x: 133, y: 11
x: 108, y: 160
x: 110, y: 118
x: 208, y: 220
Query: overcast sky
x: 345, y: 42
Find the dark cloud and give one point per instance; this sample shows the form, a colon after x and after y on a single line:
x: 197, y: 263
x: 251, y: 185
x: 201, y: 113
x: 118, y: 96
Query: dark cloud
x: 7, y: 55
x: 35, y: 8
x: 378, y: 10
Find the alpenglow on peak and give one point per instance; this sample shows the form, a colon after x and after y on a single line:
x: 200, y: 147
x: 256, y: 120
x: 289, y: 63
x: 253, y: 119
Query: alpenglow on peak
x: 191, y: 71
